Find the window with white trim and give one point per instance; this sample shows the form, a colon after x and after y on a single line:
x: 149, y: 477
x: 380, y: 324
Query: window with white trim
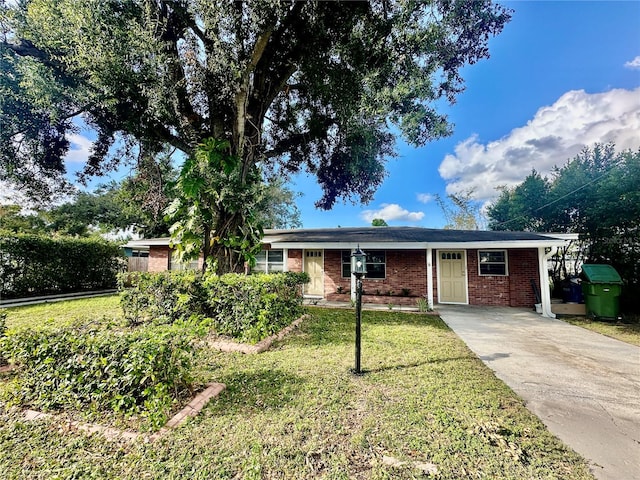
x: 269, y: 261
x: 492, y: 262
x: 376, y: 264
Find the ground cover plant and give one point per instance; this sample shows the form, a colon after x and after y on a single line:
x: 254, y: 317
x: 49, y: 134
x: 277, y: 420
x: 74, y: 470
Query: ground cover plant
x: 627, y: 330
x: 296, y: 412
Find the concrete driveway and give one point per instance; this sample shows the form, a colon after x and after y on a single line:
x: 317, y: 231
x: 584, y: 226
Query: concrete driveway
x: 584, y: 386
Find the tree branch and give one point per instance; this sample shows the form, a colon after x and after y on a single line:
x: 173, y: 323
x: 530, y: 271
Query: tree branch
x: 26, y: 48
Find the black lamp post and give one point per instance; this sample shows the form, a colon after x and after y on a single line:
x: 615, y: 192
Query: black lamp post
x: 359, y: 269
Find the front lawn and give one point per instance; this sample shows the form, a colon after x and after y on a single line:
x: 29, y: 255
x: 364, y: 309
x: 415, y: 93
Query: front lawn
x: 296, y: 412
x: 626, y: 331
x: 64, y: 313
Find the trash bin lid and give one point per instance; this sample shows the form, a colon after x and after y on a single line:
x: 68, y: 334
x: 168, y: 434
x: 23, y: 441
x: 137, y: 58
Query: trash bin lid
x: 600, y: 273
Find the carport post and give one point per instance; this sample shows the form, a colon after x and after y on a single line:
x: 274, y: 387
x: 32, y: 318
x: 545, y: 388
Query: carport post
x: 545, y: 295
x: 430, y: 278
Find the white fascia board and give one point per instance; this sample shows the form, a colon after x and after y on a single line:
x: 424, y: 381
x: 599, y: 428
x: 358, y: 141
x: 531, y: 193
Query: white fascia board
x: 151, y: 242
x: 555, y: 242
x: 563, y: 236
x: 351, y: 245
x: 498, y: 244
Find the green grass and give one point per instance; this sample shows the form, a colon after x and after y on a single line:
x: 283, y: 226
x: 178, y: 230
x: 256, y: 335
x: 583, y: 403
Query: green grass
x: 61, y: 314
x: 296, y: 412
x: 626, y: 331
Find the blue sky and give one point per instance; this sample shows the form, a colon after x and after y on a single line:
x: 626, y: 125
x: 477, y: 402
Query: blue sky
x: 556, y: 81
x: 561, y: 75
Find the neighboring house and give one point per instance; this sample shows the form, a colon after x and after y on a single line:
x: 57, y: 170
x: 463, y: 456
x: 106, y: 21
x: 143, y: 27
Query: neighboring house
x: 405, y: 263
x: 137, y: 258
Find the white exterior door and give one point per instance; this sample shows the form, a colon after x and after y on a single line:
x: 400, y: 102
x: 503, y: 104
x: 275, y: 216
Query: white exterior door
x: 314, y: 266
x: 452, y: 268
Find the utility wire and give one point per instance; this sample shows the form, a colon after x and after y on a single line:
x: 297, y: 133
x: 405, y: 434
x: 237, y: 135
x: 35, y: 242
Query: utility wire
x: 523, y: 217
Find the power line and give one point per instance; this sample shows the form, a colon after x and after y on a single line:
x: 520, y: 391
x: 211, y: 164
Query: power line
x: 523, y: 217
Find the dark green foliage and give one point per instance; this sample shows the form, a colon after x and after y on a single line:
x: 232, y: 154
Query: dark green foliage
x: 248, y: 308
x: 319, y: 87
x: 161, y: 298
x: 84, y: 367
x: 32, y: 265
x: 253, y: 307
x: 212, y: 181
x: 595, y: 194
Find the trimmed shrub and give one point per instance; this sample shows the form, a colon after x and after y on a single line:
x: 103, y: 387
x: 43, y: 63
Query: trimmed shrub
x: 161, y: 298
x: 253, y: 307
x: 248, y: 308
x: 33, y: 265
x: 83, y: 367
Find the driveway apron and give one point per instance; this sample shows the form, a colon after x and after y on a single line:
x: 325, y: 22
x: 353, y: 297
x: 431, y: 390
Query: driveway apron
x: 584, y: 386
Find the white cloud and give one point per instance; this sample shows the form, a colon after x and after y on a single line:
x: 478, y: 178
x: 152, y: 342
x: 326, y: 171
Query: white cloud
x: 556, y: 134
x: 80, y: 148
x: 392, y: 211
x: 634, y: 64
x: 424, y: 197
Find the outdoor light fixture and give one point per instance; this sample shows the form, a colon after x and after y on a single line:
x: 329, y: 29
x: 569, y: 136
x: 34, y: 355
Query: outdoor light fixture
x: 358, y: 269
x: 359, y: 263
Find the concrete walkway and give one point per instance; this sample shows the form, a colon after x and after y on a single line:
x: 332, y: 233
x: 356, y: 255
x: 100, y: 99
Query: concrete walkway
x: 584, y: 386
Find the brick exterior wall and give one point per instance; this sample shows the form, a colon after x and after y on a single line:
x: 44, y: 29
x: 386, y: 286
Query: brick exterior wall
x: 158, y: 259
x: 513, y: 290
x: 294, y: 260
x: 525, y: 263
x: 405, y: 269
x: 333, y: 277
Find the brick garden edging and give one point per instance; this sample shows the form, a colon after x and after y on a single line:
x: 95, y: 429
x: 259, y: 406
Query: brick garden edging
x: 191, y: 410
x: 261, y: 346
x: 7, y: 368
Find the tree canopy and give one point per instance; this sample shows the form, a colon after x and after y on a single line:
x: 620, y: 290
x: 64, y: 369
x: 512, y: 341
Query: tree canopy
x: 290, y: 86
x: 595, y: 194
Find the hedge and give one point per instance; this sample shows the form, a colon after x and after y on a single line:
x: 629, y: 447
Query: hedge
x: 32, y: 265
x: 87, y: 368
x: 248, y: 308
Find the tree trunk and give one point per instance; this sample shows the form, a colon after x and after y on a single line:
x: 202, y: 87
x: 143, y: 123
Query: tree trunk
x: 224, y: 249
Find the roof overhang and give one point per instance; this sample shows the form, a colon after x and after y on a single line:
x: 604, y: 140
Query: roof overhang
x: 148, y: 242
x: 283, y: 240
x: 552, y: 242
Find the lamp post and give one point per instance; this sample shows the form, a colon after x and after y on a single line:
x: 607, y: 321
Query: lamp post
x: 358, y: 269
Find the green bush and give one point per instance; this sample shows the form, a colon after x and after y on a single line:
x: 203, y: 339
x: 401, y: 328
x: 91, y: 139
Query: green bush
x: 83, y: 367
x: 161, y: 298
x: 253, y: 307
x: 33, y: 265
x: 248, y: 308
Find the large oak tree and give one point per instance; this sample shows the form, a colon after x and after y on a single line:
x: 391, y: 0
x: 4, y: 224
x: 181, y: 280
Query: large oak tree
x: 290, y: 85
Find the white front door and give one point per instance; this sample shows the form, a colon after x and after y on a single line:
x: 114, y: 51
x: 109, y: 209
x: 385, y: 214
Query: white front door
x: 452, y: 268
x: 314, y: 266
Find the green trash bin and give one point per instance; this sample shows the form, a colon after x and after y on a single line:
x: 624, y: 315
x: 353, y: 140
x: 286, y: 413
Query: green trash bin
x: 601, y: 287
